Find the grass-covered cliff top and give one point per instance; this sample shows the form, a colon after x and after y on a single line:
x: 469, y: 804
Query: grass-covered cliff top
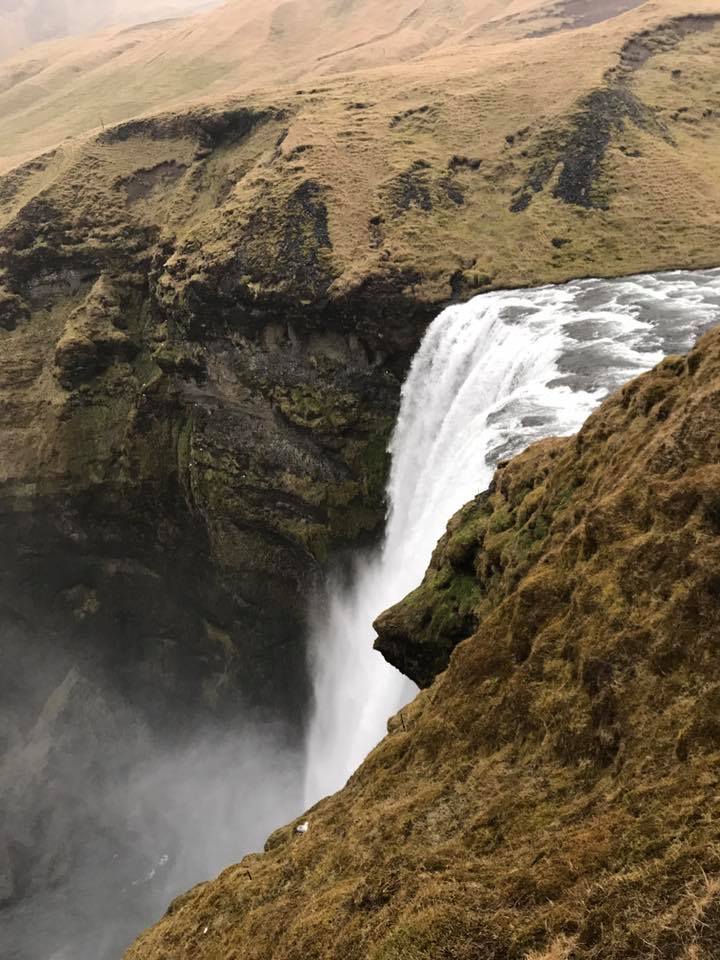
x: 553, y: 795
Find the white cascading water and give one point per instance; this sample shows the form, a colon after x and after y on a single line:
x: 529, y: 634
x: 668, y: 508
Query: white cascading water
x: 490, y: 377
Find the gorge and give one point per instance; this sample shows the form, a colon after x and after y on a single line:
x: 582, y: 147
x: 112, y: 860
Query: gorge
x: 491, y: 377
x: 298, y: 346
x: 550, y: 776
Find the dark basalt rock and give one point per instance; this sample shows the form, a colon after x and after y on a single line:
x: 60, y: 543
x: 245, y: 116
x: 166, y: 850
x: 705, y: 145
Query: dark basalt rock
x: 602, y: 113
x: 411, y: 189
x: 579, y: 151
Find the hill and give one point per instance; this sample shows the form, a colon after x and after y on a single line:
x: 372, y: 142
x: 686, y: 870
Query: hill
x: 61, y: 90
x: 221, y: 240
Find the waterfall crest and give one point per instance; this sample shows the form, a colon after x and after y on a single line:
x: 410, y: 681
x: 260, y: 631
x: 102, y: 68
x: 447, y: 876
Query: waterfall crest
x: 490, y: 377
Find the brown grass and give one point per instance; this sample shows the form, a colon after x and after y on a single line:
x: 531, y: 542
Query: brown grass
x: 461, y: 103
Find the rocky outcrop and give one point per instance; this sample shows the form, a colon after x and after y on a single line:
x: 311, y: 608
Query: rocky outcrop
x: 551, y: 793
x: 579, y: 148
x: 189, y: 419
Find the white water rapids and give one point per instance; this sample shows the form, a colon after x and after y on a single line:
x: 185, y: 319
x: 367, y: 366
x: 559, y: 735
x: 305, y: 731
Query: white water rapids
x: 490, y: 377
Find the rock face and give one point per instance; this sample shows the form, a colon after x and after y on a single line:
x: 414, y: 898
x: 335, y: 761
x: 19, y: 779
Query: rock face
x: 175, y: 439
x: 189, y: 433
x: 552, y: 793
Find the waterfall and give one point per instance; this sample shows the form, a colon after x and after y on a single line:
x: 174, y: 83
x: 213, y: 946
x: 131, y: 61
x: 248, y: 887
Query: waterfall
x: 490, y: 377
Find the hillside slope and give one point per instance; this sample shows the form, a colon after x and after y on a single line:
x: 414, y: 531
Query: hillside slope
x: 554, y: 793
x: 57, y: 91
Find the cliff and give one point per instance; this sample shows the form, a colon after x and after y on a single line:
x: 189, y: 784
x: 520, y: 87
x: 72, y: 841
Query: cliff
x: 551, y: 794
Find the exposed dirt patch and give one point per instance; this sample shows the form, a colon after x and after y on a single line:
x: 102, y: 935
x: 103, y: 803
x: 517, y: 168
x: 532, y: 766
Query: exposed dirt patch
x: 144, y: 183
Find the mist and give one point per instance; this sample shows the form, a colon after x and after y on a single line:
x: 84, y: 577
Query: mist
x: 103, y: 821
x: 25, y: 22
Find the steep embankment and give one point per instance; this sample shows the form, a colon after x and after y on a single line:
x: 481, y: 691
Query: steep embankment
x: 554, y: 793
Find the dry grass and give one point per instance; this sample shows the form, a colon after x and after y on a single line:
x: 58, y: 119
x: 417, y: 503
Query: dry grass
x: 364, y: 136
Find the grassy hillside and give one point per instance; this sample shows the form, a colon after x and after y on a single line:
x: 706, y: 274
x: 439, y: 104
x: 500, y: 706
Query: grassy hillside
x: 64, y: 89
x: 485, y: 162
x: 553, y: 795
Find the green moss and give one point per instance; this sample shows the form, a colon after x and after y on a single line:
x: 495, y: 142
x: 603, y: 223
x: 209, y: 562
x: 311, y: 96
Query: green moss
x: 313, y: 536
x: 500, y: 521
x: 317, y: 407
x: 376, y: 462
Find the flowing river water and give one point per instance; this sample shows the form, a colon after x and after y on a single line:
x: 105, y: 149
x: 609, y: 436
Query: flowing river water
x: 490, y: 377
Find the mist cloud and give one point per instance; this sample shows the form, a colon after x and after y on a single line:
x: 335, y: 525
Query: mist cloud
x: 24, y: 22
x: 102, y: 824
